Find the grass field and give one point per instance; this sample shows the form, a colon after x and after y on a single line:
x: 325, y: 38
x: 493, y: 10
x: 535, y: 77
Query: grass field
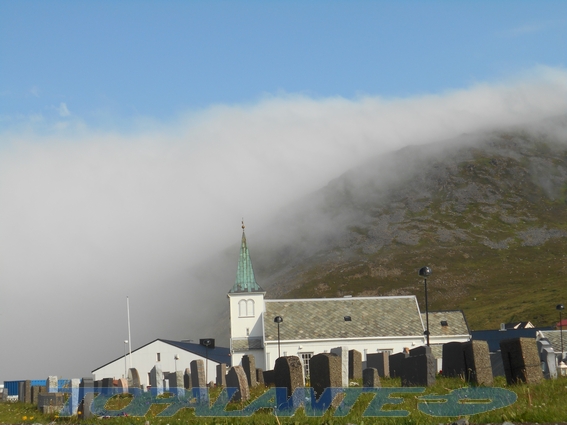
x: 542, y: 403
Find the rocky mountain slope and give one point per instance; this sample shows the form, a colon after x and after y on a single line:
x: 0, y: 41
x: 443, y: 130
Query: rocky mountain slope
x: 486, y: 212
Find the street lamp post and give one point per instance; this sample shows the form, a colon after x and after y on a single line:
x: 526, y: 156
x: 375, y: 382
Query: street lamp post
x: 125, y: 364
x: 560, y: 308
x: 425, y: 272
x: 278, y: 320
x: 176, y: 357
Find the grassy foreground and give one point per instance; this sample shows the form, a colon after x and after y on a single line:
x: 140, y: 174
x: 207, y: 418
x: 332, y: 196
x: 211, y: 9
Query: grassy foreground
x: 542, y: 403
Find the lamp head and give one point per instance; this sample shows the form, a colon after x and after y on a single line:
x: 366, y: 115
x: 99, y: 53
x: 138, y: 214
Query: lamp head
x: 278, y: 319
x: 424, y: 272
x: 560, y: 307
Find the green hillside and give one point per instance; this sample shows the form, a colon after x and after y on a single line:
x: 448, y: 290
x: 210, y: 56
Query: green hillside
x: 487, y: 213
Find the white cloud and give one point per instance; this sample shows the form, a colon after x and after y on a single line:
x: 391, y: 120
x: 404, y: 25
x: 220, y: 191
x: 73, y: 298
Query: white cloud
x: 88, y: 217
x: 63, y: 110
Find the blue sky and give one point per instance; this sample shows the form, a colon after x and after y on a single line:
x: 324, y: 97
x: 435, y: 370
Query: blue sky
x: 108, y: 63
x: 135, y: 136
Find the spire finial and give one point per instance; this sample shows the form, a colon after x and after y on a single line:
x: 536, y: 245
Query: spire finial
x: 243, y: 226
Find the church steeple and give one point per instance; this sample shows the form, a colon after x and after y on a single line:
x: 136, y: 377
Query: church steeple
x: 245, y: 280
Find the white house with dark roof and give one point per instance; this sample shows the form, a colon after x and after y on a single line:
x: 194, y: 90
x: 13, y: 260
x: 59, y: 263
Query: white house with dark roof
x: 311, y: 326
x: 170, y: 355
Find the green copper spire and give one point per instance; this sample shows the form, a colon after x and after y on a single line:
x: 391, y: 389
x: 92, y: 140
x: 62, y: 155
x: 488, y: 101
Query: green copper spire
x: 245, y: 280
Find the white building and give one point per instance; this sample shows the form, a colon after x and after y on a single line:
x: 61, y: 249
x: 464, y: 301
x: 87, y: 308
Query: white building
x: 310, y: 326
x: 170, y: 355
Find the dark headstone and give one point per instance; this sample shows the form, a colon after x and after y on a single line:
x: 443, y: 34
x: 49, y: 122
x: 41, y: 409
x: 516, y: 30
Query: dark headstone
x: 108, y: 385
x: 371, y: 378
x: 27, y: 392
x: 497, y: 364
x: 325, y: 371
x: 453, y: 365
x: 260, y: 377
x: 269, y: 378
x: 521, y: 360
x: 198, y: 378
x: 249, y: 366
x: 354, y: 364
x: 187, y: 379
x: 86, y: 398
x: 289, y: 373
x: 396, y: 363
x: 221, y: 375
x: 50, y: 403
x: 420, y: 351
x: 35, y: 390
x: 236, y: 378
x: 21, y: 393
x: 379, y: 361
x: 419, y: 371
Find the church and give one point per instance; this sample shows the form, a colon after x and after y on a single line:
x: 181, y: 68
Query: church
x: 269, y: 328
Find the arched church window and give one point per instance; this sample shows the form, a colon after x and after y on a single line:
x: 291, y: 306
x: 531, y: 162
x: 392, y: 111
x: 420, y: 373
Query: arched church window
x: 246, y: 308
x: 242, y: 308
x: 250, y: 308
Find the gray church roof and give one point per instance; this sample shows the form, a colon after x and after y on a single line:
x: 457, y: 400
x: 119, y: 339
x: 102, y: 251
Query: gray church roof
x: 324, y: 318
x: 456, y: 323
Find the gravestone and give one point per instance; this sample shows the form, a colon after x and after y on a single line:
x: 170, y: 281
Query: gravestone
x: 354, y: 364
x: 396, y: 363
x: 35, y: 390
x: 198, y: 378
x: 521, y: 360
x: 27, y: 391
x: 260, y: 377
x: 156, y: 380
x: 497, y: 364
x: 419, y: 370
x: 342, y: 352
x: 50, y: 403
x: 122, y: 385
x: 236, y: 378
x: 371, y: 378
x: 289, y: 373
x: 548, y: 358
x: 419, y: 351
x: 221, y: 375
x: 478, y: 369
x: 379, y: 361
x: 86, y: 398
x: 249, y: 366
x: 73, y: 402
x: 52, y: 384
x: 187, y: 379
x: 176, y: 380
x: 453, y: 365
x: 134, y: 378
x: 21, y: 394
x: 107, y: 385
x: 325, y: 372
x: 269, y: 378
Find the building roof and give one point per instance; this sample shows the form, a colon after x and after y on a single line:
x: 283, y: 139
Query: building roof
x: 217, y: 354
x: 456, y: 324
x: 324, y: 318
x: 519, y: 325
x: 245, y: 279
x: 554, y: 338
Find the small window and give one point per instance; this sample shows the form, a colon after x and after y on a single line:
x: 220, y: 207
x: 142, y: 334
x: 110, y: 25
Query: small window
x: 444, y: 323
x: 305, y: 357
x: 246, y: 308
x: 247, y: 331
x: 158, y: 357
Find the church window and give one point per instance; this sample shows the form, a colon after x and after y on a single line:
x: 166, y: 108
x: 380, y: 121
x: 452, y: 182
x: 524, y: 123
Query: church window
x: 246, y: 308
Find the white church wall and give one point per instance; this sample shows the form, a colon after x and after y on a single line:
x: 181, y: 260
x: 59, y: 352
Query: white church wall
x: 145, y: 358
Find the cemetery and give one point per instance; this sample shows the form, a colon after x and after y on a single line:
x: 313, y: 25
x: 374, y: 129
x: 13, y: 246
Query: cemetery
x: 295, y: 357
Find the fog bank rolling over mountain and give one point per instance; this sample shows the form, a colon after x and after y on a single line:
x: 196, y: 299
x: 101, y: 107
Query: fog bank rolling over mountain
x: 88, y: 218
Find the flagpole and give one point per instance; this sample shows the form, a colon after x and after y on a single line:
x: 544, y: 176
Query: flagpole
x: 129, y: 336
